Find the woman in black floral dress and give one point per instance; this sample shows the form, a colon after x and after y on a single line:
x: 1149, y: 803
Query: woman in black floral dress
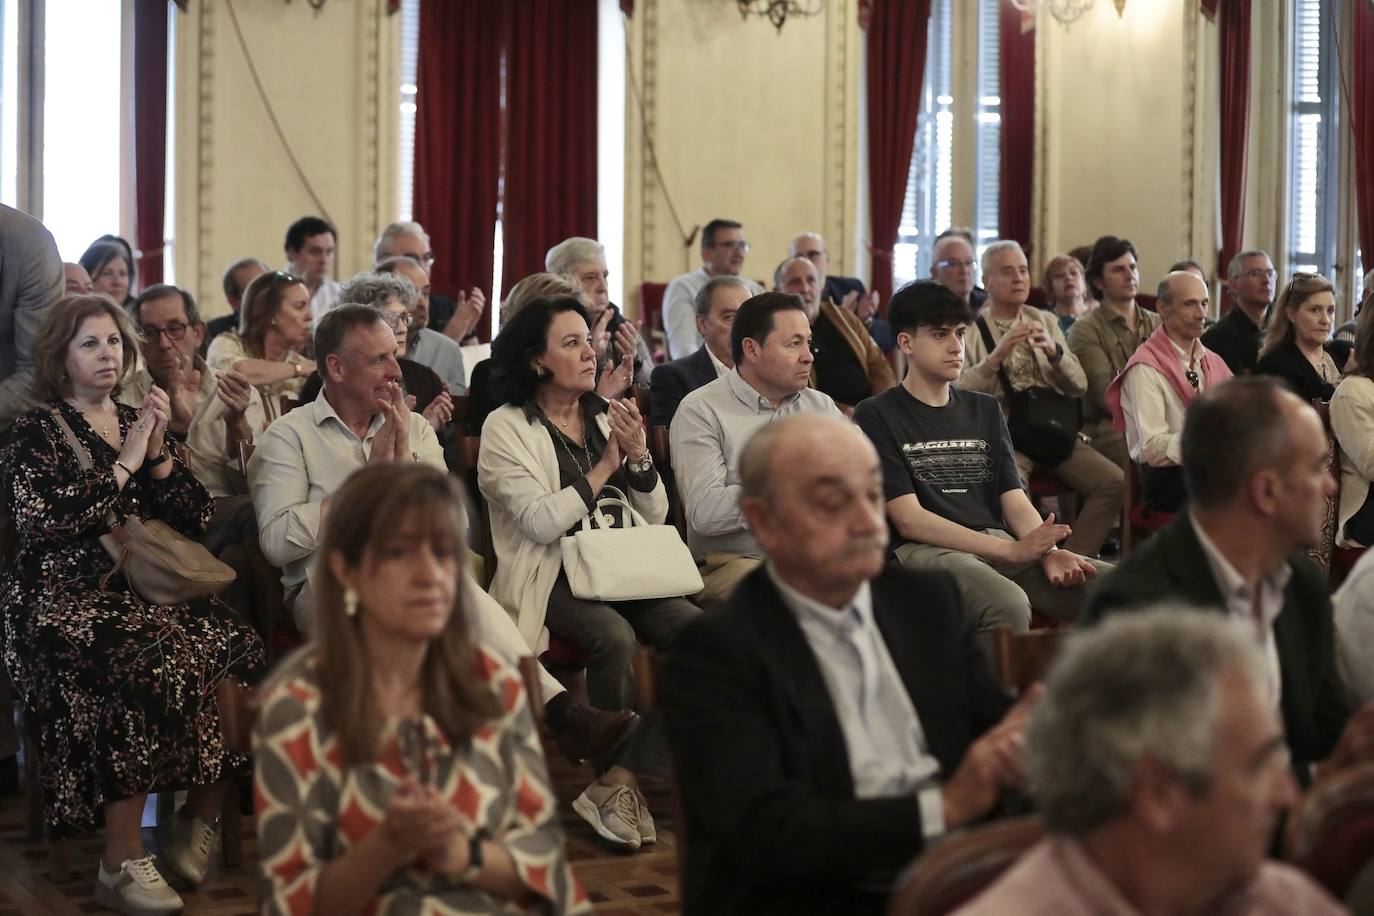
x: 120, y: 694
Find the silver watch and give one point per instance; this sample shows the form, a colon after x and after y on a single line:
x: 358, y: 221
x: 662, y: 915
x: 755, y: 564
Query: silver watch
x: 642, y: 464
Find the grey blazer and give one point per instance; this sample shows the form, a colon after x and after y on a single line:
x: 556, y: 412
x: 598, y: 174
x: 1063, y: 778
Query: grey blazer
x: 31, y: 281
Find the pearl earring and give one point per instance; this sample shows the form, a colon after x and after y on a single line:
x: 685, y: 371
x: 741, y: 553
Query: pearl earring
x: 350, y: 601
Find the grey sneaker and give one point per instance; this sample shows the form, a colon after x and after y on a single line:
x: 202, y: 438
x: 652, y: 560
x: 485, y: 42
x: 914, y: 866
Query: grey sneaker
x: 648, y: 833
x: 137, y: 889
x: 188, y: 857
x: 613, y: 812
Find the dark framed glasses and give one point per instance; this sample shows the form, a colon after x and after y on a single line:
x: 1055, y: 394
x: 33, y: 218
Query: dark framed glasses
x: 174, y: 331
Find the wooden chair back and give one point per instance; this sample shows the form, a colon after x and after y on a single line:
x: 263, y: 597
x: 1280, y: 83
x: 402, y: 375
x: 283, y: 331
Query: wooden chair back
x: 1330, y: 833
x: 949, y: 875
x: 462, y: 412
x: 1021, y: 659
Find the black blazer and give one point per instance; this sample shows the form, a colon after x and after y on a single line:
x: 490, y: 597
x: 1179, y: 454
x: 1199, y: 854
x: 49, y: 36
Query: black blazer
x: 673, y: 381
x: 772, y: 822
x: 1171, y: 565
x: 1286, y: 363
x: 1236, y: 339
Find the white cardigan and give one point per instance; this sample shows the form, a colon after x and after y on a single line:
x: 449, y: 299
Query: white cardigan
x: 517, y: 472
x: 1352, y: 420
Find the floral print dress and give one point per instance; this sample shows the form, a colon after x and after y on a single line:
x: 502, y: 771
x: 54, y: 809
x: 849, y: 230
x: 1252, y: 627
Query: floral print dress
x: 311, y: 807
x: 119, y: 694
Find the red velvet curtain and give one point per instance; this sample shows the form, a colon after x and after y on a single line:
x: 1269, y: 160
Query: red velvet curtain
x: 896, y: 68
x: 458, y: 140
x: 1362, y: 125
x: 1233, y: 28
x: 1016, y: 176
x: 150, y: 136
x: 550, y: 180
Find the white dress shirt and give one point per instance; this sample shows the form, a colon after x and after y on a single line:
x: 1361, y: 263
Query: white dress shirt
x: 888, y: 754
x: 1154, y: 411
x: 1239, y: 597
x: 680, y: 310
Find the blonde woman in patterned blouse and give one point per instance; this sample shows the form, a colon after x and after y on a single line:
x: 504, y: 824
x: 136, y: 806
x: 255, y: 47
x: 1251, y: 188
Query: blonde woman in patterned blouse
x: 274, y: 329
x: 398, y: 767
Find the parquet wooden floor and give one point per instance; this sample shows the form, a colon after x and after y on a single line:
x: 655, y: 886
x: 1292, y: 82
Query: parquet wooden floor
x: 619, y: 884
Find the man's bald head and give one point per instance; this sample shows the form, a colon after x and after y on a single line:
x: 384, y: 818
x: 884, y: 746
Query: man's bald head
x: 1182, y: 305
x: 801, y: 278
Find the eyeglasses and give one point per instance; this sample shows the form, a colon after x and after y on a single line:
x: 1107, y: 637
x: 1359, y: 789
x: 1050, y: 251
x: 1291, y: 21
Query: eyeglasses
x: 281, y: 276
x: 174, y: 331
x: 1193, y: 378
x: 737, y: 245
x: 947, y: 263
x: 397, y: 322
x: 1260, y: 273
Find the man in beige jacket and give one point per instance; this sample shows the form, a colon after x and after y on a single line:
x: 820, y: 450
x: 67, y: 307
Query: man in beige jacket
x: 1029, y: 349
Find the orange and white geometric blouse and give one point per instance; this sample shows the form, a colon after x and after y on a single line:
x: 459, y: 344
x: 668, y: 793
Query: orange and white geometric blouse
x: 310, y: 808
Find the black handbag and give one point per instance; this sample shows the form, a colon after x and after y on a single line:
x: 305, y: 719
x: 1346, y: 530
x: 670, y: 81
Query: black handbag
x: 1043, y: 423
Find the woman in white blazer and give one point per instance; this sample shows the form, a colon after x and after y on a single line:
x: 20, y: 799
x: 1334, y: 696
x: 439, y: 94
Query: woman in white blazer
x: 545, y: 458
x: 1352, y: 421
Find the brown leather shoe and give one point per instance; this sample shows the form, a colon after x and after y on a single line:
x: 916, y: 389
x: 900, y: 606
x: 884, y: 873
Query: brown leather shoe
x: 587, y: 732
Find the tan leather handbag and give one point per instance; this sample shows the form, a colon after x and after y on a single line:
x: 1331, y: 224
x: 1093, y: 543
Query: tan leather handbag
x: 161, y: 564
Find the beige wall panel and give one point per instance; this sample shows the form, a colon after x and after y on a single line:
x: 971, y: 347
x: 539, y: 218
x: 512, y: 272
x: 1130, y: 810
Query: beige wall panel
x: 748, y: 124
x: 1116, y: 131
x: 330, y: 79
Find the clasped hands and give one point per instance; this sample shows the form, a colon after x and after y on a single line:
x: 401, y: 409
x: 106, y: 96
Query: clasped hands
x: 422, y: 827
x: 392, y: 442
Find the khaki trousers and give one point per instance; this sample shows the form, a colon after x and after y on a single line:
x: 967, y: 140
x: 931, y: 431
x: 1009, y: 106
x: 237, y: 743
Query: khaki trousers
x: 721, y: 573
x: 1098, y: 481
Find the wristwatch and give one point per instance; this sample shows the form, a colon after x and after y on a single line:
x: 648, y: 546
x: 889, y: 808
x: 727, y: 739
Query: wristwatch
x: 161, y: 457
x: 474, y: 858
x: 642, y: 464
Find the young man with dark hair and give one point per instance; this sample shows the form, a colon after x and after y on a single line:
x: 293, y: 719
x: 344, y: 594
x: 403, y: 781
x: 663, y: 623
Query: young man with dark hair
x: 310, y: 246
x: 954, y: 496
x: 770, y: 342
x: 723, y: 249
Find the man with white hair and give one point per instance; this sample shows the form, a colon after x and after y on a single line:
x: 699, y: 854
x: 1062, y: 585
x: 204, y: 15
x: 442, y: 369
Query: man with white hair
x: 454, y: 318
x: 849, y: 366
x: 1158, y: 763
x: 1014, y: 349
x: 584, y: 261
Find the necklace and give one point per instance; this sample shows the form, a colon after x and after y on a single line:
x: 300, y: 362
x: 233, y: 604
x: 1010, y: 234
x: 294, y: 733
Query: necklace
x: 587, y: 452
x: 104, y: 428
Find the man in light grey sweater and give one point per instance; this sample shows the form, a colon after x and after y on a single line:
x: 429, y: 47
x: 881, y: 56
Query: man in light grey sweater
x: 31, y: 280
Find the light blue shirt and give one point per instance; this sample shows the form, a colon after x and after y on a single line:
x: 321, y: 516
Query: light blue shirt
x: 440, y: 353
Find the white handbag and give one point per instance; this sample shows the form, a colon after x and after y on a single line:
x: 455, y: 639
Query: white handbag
x: 636, y: 562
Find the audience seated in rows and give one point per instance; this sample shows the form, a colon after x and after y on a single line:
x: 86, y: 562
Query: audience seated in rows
x: 1066, y: 291
x: 848, y: 293
x: 953, y: 265
x: 361, y: 419
x: 1157, y: 761
x: 822, y: 733
x: 456, y: 318
x: 310, y: 246
x: 438, y: 797
x: 1012, y: 342
x: 109, y: 262
x: 1164, y: 375
x: 274, y: 326
x: 770, y: 342
x: 1352, y: 422
x: 1294, y: 349
x: 1106, y: 337
x: 547, y: 457
x: 723, y: 250
x: 236, y: 278
x: 109, y: 726
x: 1254, y: 458
x: 1238, y: 336
x: 955, y: 499
x: 848, y: 365
x: 584, y: 260
x: 77, y: 281
x: 716, y: 305
x: 425, y: 346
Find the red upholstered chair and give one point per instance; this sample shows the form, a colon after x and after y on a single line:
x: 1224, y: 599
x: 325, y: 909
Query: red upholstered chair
x: 951, y: 874
x: 1330, y: 834
x: 651, y: 306
x: 1146, y: 301
x: 1137, y: 521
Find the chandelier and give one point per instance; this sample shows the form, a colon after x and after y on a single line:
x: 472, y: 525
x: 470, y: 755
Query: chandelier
x: 777, y: 11
x: 1066, y: 12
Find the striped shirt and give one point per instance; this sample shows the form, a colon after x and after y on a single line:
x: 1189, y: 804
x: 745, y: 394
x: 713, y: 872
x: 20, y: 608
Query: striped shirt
x: 709, y: 430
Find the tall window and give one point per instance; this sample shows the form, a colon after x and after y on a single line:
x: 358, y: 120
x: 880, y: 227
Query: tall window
x: 928, y: 206
x: 1313, y: 140
x: 9, y: 102
x: 405, y: 161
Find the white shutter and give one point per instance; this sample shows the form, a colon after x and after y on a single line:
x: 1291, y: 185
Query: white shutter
x: 405, y: 160
x: 988, y: 127
x: 926, y: 206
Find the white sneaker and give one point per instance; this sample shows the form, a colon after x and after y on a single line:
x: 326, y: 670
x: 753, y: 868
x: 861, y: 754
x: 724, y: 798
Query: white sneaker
x: 138, y: 889
x: 189, y: 855
x: 613, y: 812
x: 648, y: 833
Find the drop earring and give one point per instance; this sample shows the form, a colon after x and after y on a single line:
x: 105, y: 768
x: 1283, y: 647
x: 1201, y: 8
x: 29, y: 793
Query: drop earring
x: 350, y: 602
